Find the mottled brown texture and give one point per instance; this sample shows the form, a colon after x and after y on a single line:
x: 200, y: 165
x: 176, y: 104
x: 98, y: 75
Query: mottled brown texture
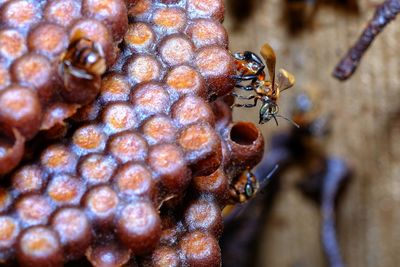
x: 33, y: 39
x: 204, y: 215
x: 139, y: 227
x: 159, y: 129
x: 165, y: 256
x: 130, y: 168
x: 39, y: 246
x: 33, y: 210
x: 216, y: 65
x: 176, y: 50
x: 202, y: 148
x: 191, y: 109
x: 128, y: 146
x: 200, y: 249
x: 168, y: 162
x: 215, y: 184
x: 134, y: 180
x: 182, y: 80
x: 111, y: 12
x: 108, y: 255
x: 9, y: 229
x: 20, y: 108
x: 206, y: 32
x: 48, y: 39
x: 139, y: 37
x: 65, y: 189
x: 74, y: 231
x: 169, y: 19
x: 28, y: 179
x: 101, y: 205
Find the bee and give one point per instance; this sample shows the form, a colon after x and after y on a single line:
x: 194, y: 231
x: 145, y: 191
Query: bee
x: 251, y: 68
x: 247, y: 185
x: 244, y: 187
x: 83, y: 59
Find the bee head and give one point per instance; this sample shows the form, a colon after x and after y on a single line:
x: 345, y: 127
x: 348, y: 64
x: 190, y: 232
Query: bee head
x: 251, y: 185
x: 268, y: 111
x: 249, y: 190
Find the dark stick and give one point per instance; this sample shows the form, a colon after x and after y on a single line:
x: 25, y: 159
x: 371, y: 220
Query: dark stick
x: 324, y: 187
x: 336, y: 174
x: 384, y: 14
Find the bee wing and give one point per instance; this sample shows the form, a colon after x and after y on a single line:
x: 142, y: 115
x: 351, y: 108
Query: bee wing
x: 270, y: 59
x: 99, y: 48
x: 285, y: 80
x: 263, y: 182
x: 79, y: 73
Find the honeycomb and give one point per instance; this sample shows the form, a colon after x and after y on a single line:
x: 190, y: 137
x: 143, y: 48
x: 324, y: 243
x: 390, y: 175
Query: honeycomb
x: 35, y: 93
x: 144, y: 177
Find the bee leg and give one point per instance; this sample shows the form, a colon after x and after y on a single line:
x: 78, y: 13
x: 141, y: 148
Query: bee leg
x: 276, y: 121
x: 252, y: 105
x: 249, y: 105
x: 243, y: 97
x: 246, y: 105
x: 255, y: 58
x: 242, y: 105
x: 246, y: 88
x: 244, y: 77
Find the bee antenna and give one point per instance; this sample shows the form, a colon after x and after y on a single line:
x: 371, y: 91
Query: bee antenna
x: 276, y: 121
x: 267, y: 179
x: 289, y: 120
x: 272, y: 172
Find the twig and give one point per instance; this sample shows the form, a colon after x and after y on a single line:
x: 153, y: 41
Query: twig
x: 384, y: 13
x: 336, y: 174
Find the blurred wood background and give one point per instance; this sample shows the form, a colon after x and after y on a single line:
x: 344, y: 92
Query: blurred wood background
x: 366, y: 132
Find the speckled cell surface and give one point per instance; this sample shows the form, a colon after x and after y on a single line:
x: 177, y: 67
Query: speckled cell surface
x: 37, y: 92
x: 144, y: 176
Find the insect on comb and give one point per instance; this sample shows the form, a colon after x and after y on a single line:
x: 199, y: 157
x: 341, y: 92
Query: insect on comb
x: 250, y: 68
x: 83, y: 59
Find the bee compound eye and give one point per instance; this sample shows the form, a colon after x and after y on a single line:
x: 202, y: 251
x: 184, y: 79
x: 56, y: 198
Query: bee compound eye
x: 249, y: 190
x: 92, y: 58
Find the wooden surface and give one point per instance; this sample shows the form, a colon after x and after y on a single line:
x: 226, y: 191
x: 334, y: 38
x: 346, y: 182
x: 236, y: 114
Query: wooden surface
x: 366, y: 132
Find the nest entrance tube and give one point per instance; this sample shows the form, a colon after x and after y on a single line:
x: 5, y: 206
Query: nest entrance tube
x: 244, y: 133
x: 246, y: 146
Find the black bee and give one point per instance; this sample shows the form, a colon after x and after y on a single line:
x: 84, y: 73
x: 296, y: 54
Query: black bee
x: 83, y: 59
x: 244, y: 187
x: 250, y: 68
x: 247, y: 185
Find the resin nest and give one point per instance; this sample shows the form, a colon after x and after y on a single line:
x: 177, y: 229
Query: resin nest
x: 143, y: 178
x: 35, y: 92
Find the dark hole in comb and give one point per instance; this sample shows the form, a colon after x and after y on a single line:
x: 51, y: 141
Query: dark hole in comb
x: 244, y: 133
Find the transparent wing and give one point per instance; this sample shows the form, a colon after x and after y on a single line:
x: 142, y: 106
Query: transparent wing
x: 285, y: 80
x: 270, y: 59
